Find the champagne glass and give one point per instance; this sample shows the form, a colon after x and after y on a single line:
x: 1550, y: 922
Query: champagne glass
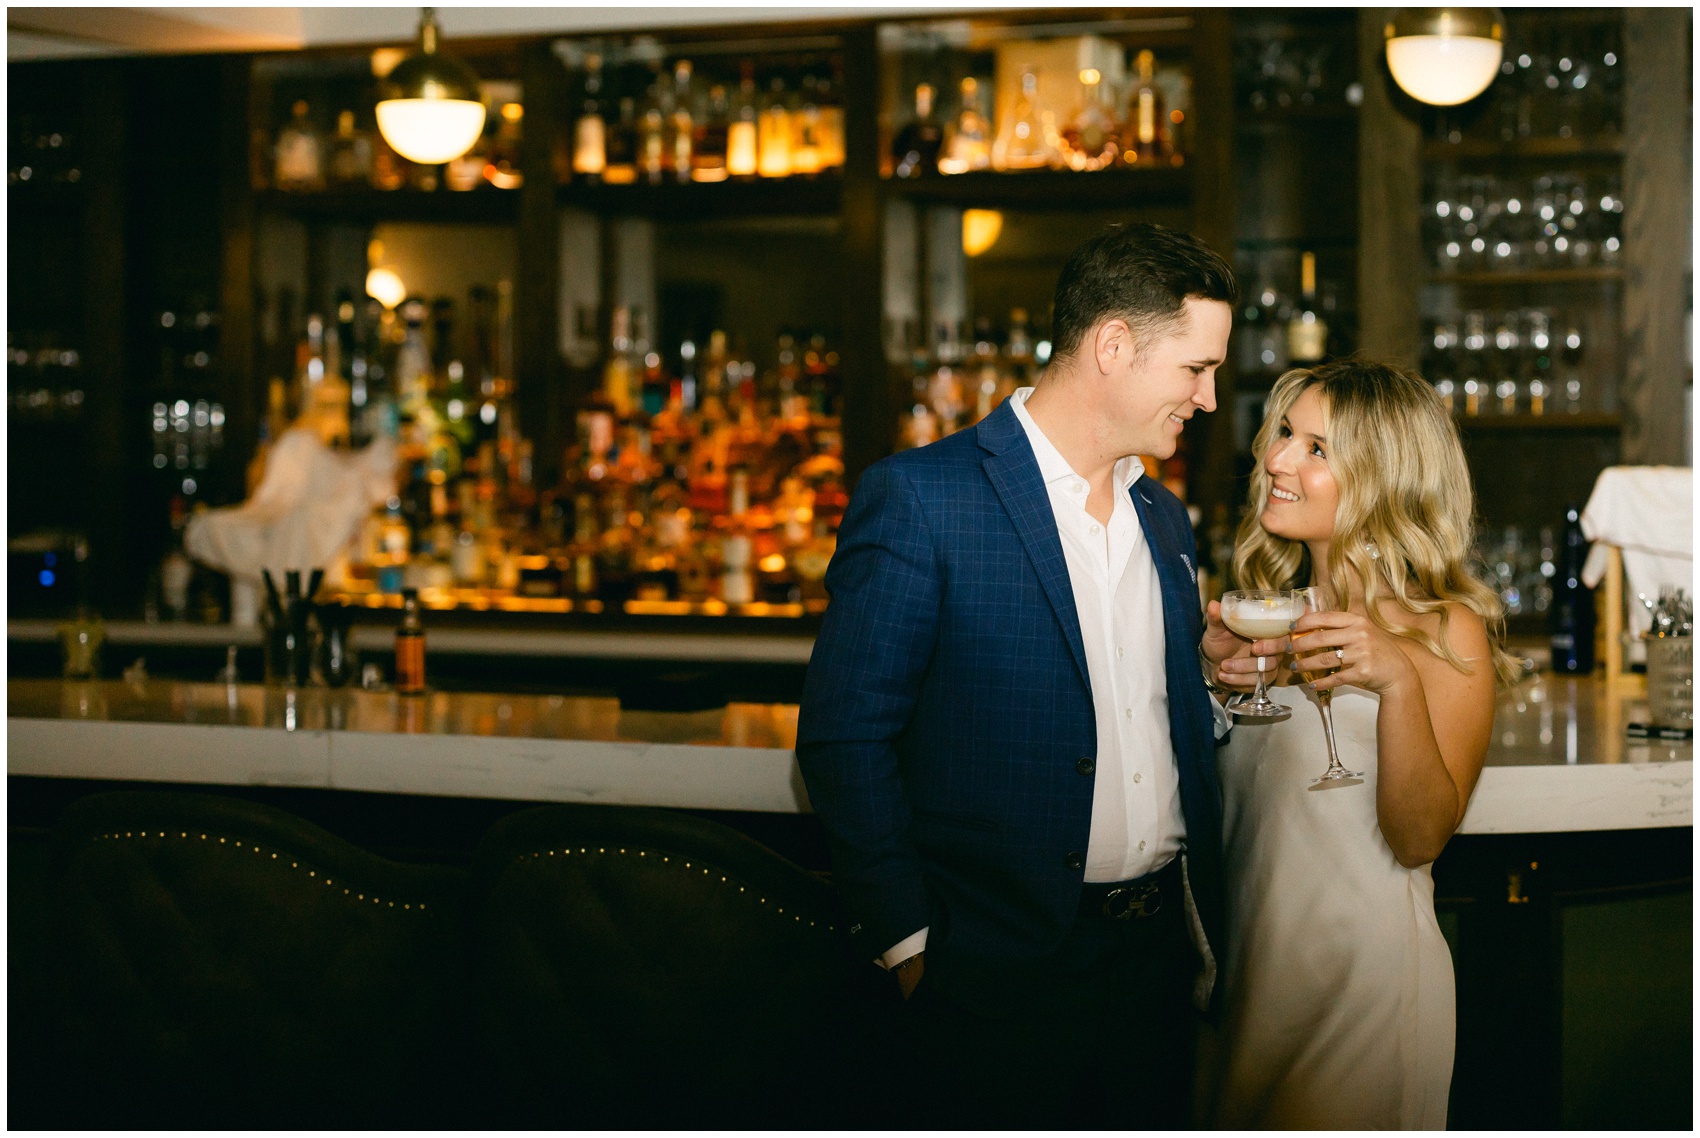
x: 1260, y: 614
x: 1321, y: 598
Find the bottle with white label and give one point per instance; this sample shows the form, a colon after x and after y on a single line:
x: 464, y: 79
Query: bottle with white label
x: 1307, y: 331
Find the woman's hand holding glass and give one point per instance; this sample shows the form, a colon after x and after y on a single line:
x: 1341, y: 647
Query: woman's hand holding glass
x: 1360, y: 653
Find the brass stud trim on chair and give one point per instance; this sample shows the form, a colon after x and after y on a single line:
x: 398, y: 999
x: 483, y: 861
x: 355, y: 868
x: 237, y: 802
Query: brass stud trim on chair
x: 667, y: 860
x: 313, y: 873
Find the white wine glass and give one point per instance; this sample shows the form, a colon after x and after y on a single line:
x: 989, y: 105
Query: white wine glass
x: 1321, y: 598
x: 1260, y: 614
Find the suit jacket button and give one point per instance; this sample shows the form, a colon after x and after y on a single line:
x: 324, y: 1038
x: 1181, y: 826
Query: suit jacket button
x: 1075, y: 860
x: 1086, y: 765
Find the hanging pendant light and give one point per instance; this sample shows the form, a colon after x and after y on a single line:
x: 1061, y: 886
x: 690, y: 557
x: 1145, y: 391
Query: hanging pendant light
x: 1445, y: 56
x: 430, y: 111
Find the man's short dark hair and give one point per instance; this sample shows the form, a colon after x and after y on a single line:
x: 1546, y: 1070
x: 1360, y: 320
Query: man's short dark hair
x: 1140, y: 273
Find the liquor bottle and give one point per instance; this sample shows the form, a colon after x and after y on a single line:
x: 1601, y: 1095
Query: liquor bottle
x: 805, y: 130
x: 590, y: 135
x: 683, y: 132
x: 737, y: 548
x: 410, y: 647
x: 1026, y: 139
x: 389, y: 169
x: 742, y: 137
x: 1090, y: 139
x: 1572, y: 603
x: 299, y: 162
x: 581, y: 582
x: 967, y: 145
x: 1307, y: 331
x: 652, y: 133
x: 1146, y: 143
x: 708, y: 151
x: 503, y: 168
x: 617, y: 368
x: 831, y: 122
x: 413, y: 359
x: 621, y: 168
x: 916, y: 150
x: 774, y: 161
x: 351, y: 153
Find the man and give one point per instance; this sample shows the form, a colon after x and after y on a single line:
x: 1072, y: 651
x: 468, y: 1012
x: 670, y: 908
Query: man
x: 1005, y: 727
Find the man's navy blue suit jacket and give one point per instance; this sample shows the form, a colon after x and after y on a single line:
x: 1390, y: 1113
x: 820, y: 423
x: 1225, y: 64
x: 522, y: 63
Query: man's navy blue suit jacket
x: 947, y: 714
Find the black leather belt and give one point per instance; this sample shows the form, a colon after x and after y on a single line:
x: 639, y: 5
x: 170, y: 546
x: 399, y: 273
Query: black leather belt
x: 1131, y: 900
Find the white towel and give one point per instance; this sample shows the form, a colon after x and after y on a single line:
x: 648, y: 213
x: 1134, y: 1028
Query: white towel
x: 1648, y: 512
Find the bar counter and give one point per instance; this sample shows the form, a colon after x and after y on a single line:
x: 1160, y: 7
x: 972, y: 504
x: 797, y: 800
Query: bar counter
x: 1560, y: 760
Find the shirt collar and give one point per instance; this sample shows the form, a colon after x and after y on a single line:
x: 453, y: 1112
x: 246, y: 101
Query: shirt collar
x: 1053, y: 467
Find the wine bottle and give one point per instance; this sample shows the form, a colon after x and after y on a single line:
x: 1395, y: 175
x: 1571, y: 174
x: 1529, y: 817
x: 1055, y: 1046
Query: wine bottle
x: 1572, y: 603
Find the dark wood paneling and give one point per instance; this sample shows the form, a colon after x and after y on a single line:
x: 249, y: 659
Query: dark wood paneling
x: 1390, y: 183
x: 868, y: 411
x: 1658, y: 194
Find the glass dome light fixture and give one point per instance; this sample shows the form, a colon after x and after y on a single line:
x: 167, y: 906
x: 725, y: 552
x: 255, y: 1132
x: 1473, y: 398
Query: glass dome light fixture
x: 1445, y: 56
x: 430, y: 111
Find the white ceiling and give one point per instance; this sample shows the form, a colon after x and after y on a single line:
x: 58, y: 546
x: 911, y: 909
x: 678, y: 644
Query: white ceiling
x: 46, y: 33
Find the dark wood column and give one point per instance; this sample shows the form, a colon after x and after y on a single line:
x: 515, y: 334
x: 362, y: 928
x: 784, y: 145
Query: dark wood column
x: 868, y: 417
x: 1390, y: 186
x: 1213, y: 208
x: 1658, y: 195
x: 105, y: 362
x: 538, y: 391
x: 237, y: 337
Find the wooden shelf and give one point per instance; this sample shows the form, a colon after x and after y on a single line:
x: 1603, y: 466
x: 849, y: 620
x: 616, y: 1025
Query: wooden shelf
x: 1477, y: 150
x: 1557, y: 421
x: 692, y: 201
x: 488, y: 206
x: 1050, y: 189
x: 1531, y: 277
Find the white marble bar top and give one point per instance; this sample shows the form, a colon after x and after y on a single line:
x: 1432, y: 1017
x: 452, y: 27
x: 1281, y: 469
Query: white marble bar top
x: 1559, y: 761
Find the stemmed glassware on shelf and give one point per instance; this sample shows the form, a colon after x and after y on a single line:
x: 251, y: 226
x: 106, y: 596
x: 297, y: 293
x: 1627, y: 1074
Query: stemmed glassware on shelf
x: 1260, y: 614
x: 1321, y: 598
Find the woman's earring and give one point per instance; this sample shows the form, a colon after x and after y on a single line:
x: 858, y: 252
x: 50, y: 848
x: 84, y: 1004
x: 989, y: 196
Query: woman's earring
x: 1369, y: 548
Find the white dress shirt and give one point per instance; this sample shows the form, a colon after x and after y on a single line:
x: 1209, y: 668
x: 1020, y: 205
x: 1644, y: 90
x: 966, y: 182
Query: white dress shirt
x: 1137, y: 823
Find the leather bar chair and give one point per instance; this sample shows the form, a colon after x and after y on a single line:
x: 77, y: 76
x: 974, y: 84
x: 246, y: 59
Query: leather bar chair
x: 642, y: 968
x: 217, y: 963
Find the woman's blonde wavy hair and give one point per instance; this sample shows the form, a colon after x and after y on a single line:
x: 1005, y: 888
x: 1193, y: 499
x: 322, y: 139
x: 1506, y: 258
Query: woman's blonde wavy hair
x: 1406, y: 513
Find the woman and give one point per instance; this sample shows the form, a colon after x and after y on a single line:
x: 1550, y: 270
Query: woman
x: 1339, y: 985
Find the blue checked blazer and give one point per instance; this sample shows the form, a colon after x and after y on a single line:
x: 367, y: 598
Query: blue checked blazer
x: 947, y: 706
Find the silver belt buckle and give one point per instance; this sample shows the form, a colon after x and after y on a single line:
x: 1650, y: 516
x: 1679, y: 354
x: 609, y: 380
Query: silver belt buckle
x: 1133, y: 901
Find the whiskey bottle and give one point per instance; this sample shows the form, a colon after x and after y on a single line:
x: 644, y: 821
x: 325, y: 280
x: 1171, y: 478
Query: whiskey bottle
x: 708, y: 155
x: 590, y: 141
x: 1026, y: 141
x: 410, y: 647
x: 683, y: 131
x: 742, y: 136
x: 351, y: 153
x: 299, y: 163
x: 916, y: 150
x: 652, y: 134
x: 617, y: 368
x: 621, y: 167
x: 1090, y: 140
x: 1147, y: 135
x: 805, y: 130
x: 831, y: 123
x: 967, y: 145
x: 774, y: 160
